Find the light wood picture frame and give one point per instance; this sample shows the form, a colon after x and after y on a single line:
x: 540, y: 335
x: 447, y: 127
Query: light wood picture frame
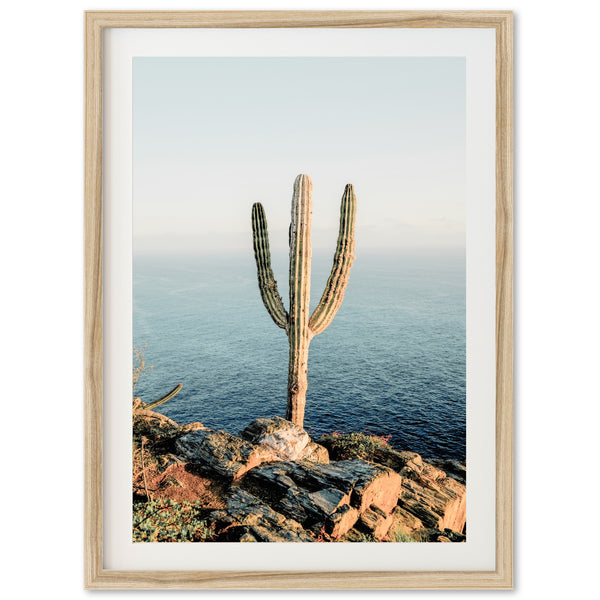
x: 96, y: 576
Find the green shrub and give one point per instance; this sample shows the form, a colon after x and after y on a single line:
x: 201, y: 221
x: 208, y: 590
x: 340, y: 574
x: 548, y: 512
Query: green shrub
x: 361, y: 538
x: 170, y: 521
x: 345, y: 446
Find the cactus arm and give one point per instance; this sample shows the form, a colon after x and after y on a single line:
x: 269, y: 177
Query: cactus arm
x: 162, y: 400
x: 298, y: 332
x: 342, y: 263
x: 266, y: 280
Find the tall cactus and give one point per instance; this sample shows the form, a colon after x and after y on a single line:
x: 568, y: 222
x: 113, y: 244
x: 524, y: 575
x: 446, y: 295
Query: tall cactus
x: 299, y: 327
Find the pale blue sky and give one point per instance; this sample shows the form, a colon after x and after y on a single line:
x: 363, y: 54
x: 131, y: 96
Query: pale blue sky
x: 213, y: 135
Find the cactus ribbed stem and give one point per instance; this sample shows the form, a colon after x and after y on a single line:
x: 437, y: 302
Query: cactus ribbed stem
x: 298, y: 332
x: 166, y: 397
x: 266, y: 279
x: 299, y: 327
x: 340, y: 271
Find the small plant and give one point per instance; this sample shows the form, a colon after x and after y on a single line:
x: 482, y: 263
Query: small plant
x: 139, y: 365
x: 346, y: 446
x: 361, y: 538
x: 170, y: 521
x: 139, y: 368
x: 397, y: 536
x: 323, y: 536
x: 166, y: 397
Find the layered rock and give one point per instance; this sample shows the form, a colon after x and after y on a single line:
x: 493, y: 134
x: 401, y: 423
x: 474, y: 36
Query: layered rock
x: 326, y: 498
x: 316, y: 453
x: 221, y: 453
x: 438, y: 502
x: 158, y: 428
x: 274, y: 484
x: 375, y: 522
x: 264, y: 440
x: 248, y: 519
x: 452, y: 468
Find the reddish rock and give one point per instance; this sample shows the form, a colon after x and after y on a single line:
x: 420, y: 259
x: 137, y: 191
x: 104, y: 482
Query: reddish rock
x: 438, y: 504
x: 315, y: 453
x: 196, y: 426
x: 375, y: 522
x: 305, y: 499
x: 341, y: 521
x: 398, y: 460
x: 455, y: 514
x: 452, y: 468
x: 381, y: 489
x: 405, y: 522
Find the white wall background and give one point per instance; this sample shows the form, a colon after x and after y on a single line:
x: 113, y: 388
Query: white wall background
x: 557, y: 296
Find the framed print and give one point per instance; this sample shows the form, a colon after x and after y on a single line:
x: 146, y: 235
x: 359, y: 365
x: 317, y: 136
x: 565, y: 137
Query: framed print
x: 298, y: 300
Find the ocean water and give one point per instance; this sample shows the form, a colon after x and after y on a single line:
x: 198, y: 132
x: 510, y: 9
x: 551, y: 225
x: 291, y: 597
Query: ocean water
x: 391, y: 363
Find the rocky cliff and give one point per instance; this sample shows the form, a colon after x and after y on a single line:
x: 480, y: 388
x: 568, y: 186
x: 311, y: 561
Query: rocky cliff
x: 272, y: 483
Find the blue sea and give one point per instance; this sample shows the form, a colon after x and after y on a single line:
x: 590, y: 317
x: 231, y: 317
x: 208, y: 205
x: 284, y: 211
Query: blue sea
x: 391, y: 363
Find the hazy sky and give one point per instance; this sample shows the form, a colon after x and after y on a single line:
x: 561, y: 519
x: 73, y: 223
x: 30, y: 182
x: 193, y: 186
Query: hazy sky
x: 213, y: 135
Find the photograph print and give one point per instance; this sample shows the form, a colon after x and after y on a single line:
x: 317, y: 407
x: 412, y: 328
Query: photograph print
x: 299, y: 299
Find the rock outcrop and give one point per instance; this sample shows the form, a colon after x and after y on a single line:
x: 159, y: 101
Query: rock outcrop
x: 220, y: 452
x: 248, y: 519
x: 326, y: 498
x: 274, y: 484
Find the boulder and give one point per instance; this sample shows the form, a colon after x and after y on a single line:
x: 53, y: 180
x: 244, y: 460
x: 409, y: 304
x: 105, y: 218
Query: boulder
x: 355, y: 536
x: 375, y: 522
x: 374, y: 485
x: 398, y: 460
x: 455, y: 514
x: 439, y: 504
x: 270, y: 480
x: 298, y: 504
x: 366, y: 483
x: 452, y: 468
x: 329, y: 500
x: 405, y: 522
x: 327, y: 497
x: 220, y: 452
x: 284, y: 439
x: 428, y: 495
x: 341, y: 521
x: 454, y: 536
x: 255, y: 521
x: 157, y: 428
x: 316, y: 453
x: 320, y: 476
x: 195, y: 426
x: 153, y: 426
x: 325, y: 510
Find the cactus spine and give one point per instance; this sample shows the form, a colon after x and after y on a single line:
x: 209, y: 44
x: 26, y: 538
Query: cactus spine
x: 301, y: 328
